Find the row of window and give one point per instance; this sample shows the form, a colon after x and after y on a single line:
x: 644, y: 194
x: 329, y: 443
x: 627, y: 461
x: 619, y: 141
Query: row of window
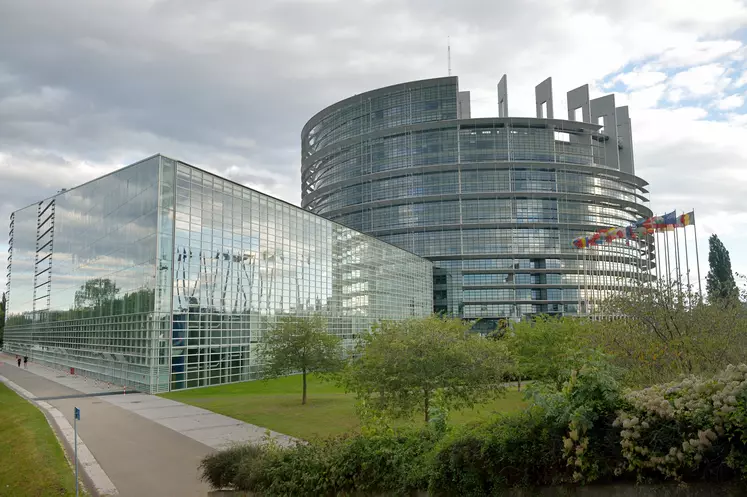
x: 440, y: 146
x: 515, y: 311
x: 497, y: 294
x: 483, y: 181
x: 437, y: 214
x: 432, y: 102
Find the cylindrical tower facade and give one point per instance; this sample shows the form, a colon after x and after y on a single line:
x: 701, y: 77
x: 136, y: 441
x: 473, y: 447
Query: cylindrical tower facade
x: 493, y: 202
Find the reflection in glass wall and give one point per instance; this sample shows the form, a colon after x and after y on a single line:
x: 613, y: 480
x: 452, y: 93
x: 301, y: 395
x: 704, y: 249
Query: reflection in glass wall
x: 82, y: 286
x: 242, y: 258
x: 161, y: 276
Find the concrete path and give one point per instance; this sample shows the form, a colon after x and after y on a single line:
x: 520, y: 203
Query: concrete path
x: 147, y: 445
x: 142, y: 458
x: 91, y: 473
x: 214, y: 430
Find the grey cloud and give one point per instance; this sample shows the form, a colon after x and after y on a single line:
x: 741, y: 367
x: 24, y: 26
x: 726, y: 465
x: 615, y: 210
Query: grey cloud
x: 227, y: 85
x: 245, y: 178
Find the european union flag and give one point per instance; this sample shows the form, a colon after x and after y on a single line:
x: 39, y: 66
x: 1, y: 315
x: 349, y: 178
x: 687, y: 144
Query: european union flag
x: 670, y: 218
x: 77, y: 414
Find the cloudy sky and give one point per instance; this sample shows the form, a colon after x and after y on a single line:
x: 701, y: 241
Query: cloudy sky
x: 87, y: 86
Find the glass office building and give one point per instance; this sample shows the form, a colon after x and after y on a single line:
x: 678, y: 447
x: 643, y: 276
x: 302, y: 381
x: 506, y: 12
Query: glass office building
x: 494, y: 202
x: 162, y: 276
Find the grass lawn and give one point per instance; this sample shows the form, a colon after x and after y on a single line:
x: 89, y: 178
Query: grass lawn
x: 276, y: 404
x: 32, y: 462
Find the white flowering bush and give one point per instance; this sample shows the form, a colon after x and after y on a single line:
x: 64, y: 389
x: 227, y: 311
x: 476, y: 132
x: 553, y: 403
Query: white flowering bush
x: 686, y: 427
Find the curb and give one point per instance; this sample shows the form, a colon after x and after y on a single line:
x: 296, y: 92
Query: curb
x: 93, y: 475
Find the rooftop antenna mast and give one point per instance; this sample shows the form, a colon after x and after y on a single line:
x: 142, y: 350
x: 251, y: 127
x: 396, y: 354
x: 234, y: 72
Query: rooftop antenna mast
x: 448, y: 52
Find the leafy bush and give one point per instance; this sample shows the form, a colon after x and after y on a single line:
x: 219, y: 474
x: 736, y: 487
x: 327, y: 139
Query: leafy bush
x: 586, y: 406
x: 511, y: 450
x: 567, y: 436
x: 688, y: 430
x: 375, y: 462
x: 221, y: 469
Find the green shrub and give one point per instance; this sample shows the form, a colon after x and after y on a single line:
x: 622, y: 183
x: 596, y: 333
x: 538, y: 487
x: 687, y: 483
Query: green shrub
x: 585, y: 407
x: 220, y: 469
x: 376, y: 462
x: 567, y: 436
x: 510, y: 450
x: 385, y: 462
x: 690, y: 430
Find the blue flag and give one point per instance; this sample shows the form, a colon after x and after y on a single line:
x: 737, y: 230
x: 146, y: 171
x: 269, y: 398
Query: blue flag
x: 670, y: 218
x: 77, y: 414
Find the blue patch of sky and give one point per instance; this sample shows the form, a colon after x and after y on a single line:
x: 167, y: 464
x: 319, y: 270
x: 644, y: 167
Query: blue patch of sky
x: 611, y: 83
x: 741, y: 34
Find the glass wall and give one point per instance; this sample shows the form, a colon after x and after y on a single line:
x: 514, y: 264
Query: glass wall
x: 162, y: 276
x: 241, y: 259
x: 81, y: 287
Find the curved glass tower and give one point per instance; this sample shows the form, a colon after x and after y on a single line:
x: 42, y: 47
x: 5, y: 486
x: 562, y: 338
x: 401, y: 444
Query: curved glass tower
x: 494, y: 202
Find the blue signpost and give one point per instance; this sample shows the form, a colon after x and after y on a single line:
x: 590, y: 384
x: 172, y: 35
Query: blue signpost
x: 75, y: 429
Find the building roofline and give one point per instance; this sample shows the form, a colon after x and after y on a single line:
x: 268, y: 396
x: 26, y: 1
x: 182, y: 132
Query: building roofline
x: 518, y: 122
x: 230, y: 181
x: 372, y: 93
x: 89, y: 181
x: 292, y: 205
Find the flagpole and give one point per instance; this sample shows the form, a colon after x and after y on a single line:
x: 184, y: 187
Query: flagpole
x: 648, y: 259
x: 620, y: 282
x: 602, y: 272
x: 697, y: 257
x: 586, y: 288
x: 578, y: 281
x: 677, y: 261
x: 592, y: 282
x: 594, y: 278
x: 606, y: 269
x: 658, y: 259
x: 687, y: 265
x: 597, y: 282
x: 666, y: 257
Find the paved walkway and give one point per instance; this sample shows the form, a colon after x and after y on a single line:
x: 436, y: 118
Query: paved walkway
x: 147, y: 445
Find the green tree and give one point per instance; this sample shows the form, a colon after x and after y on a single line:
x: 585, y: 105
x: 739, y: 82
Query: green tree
x: 546, y: 348
x: 402, y: 366
x: 720, y: 279
x: 660, y: 333
x: 94, y: 293
x: 300, y: 345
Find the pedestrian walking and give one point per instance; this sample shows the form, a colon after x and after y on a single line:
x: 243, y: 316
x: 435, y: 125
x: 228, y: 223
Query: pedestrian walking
x: 26, y: 361
x: 18, y: 358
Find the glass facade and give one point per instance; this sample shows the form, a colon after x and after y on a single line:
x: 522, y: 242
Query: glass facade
x: 493, y: 202
x: 162, y: 276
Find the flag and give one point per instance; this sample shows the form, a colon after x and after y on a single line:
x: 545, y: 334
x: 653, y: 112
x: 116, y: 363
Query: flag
x: 664, y: 222
x: 643, y: 221
x: 651, y: 223
x: 687, y: 219
x: 671, y: 218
